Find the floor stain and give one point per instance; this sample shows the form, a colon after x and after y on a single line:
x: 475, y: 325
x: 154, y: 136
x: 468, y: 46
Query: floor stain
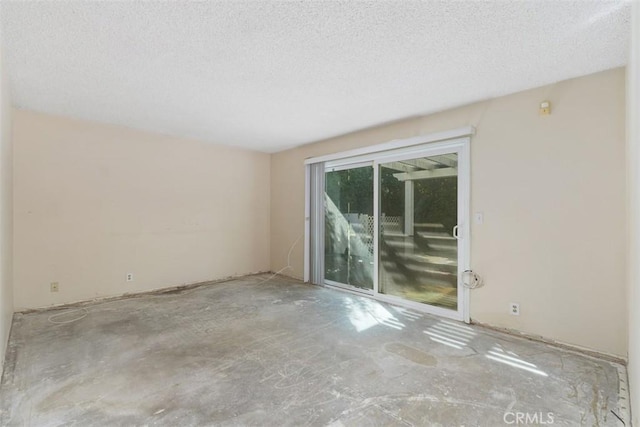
x: 412, y: 354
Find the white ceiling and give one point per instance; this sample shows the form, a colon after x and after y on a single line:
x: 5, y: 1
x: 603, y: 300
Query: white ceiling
x: 272, y: 75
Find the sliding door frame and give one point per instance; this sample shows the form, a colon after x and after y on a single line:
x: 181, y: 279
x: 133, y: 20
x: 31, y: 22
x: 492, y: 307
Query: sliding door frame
x: 455, y: 141
x: 459, y: 147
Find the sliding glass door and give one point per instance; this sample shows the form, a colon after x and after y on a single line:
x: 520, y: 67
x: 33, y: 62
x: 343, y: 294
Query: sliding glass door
x: 348, y: 227
x: 418, y: 248
x: 395, y: 225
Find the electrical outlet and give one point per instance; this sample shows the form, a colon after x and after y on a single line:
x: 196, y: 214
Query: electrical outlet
x: 514, y: 308
x: 55, y: 286
x: 129, y: 277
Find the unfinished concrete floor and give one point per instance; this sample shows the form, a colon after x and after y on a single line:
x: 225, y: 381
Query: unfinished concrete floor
x: 283, y: 353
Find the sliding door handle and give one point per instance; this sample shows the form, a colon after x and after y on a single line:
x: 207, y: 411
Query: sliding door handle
x: 456, y: 232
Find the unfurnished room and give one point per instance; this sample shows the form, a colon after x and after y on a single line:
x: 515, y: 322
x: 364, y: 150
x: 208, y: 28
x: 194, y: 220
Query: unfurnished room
x: 320, y: 213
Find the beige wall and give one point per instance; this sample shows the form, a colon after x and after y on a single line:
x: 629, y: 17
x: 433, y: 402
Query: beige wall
x: 552, y: 190
x: 633, y: 164
x: 94, y: 202
x: 6, y: 215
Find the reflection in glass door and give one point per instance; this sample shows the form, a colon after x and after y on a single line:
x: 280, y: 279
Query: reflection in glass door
x: 349, y: 227
x: 418, y: 253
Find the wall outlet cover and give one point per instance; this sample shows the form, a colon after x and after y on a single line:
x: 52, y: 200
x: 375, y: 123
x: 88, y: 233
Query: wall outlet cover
x: 514, y: 309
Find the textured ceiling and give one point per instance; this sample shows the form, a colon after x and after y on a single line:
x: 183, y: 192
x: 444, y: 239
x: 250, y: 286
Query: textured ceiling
x: 272, y: 75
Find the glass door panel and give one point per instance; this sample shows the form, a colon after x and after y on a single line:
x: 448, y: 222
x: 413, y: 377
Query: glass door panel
x: 349, y: 227
x: 418, y: 254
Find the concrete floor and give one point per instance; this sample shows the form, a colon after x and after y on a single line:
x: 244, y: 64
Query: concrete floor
x: 283, y: 353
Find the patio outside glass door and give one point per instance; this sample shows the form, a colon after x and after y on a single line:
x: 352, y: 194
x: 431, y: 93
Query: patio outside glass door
x: 418, y: 244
